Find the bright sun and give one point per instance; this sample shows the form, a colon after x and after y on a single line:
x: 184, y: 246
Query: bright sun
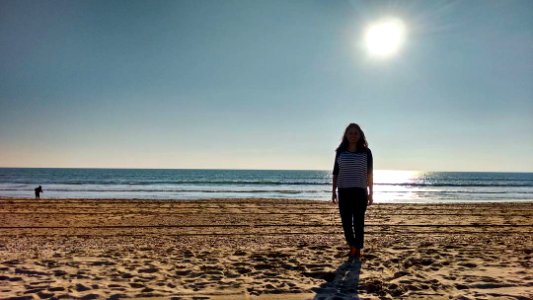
x: 384, y: 38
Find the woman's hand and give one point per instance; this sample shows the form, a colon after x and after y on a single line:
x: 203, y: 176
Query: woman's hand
x: 370, y: 200
x: 334, y: 197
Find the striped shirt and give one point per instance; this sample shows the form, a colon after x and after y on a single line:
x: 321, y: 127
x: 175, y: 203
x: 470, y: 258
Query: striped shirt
x: 352, y: 168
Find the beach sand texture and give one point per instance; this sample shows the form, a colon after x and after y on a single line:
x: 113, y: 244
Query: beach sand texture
x: 261, y: 249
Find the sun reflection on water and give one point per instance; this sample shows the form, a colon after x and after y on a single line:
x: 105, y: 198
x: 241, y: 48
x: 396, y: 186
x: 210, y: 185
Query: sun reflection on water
x: 395, y: 177
x: 392, y: 185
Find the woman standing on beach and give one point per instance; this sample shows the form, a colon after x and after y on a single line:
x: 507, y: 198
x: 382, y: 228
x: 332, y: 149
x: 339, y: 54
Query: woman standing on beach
x: 352, y: 175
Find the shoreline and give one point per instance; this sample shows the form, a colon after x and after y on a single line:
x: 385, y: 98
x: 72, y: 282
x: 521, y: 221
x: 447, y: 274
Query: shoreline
x: 274, y: 200
x: 266, y: 249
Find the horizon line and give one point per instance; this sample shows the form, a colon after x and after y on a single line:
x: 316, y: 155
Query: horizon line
x: 244, y: 169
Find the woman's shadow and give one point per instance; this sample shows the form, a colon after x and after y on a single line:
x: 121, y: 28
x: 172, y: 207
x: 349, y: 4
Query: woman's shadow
x: 345, y: 283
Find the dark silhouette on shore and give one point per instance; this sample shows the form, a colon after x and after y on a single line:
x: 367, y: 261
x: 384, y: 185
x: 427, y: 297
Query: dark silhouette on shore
x: 38, y: 191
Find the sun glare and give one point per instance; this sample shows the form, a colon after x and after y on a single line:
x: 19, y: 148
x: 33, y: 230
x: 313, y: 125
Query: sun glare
x: 395, y: 177
x: 384, y: 38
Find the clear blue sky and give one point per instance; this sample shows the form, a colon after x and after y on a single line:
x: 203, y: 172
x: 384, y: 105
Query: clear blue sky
x: 264, y: 84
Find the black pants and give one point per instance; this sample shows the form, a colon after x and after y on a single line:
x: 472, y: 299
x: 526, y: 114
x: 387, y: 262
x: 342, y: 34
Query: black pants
x: 352, y: 207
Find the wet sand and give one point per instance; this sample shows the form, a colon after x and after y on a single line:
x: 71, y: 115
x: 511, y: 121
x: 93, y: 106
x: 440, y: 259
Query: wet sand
x: 261, y: 249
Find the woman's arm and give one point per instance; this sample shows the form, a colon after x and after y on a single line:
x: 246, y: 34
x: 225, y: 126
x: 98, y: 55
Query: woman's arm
x: 370, y: 177
x: 334, y: 185
x: 370, y: 188
x: 334, y: 190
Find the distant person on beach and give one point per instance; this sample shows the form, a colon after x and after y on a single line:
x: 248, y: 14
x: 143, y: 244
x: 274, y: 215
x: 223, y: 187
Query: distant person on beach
x: 353, y: 177
x: 38, y: 191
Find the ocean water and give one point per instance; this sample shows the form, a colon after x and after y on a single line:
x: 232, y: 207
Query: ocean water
x: 389, y: 186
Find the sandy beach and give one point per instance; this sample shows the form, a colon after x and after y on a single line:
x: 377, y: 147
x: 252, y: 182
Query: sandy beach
x: 261, y: 249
